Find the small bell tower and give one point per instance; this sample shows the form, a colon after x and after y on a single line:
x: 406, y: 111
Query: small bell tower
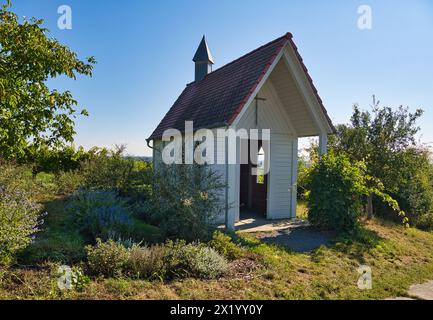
x: 203, y: 60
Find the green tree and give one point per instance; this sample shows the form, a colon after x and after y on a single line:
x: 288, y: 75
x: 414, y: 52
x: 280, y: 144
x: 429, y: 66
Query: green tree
x: 385, y: 140
x: 108, y: 170
x: 379, y: 138
x: 55, y: 160
x: 337, y: 189
x: 30, y: 112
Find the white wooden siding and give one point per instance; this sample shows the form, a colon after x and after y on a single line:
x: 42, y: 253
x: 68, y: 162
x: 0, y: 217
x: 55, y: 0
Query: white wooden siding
x: 280, y: 188
x: 156, y: 155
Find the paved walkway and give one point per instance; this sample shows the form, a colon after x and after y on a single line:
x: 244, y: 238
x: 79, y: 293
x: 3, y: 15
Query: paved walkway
x: 422, y: 291
x: 418, y: 292
x: 294, y: 234
x: 301, y: 239
x: 256, y: 223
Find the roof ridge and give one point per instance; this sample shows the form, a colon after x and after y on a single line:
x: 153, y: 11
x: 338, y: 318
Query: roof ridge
x: 288, y: 36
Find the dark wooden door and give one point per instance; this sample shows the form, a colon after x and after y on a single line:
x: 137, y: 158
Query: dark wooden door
x: 259, y: 189
x: 245, y: 185
x: 259, y: 194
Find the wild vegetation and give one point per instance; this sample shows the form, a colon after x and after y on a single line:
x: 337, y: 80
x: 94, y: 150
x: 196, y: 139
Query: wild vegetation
x: 129, y: 231
x: 336, y: 192
x: 376, y: 168
x: 399, y: 257
x: 384, y: 139
x: 19, y: 220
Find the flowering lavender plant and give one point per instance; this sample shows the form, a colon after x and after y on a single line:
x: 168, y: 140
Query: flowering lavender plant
x: 101, y: 215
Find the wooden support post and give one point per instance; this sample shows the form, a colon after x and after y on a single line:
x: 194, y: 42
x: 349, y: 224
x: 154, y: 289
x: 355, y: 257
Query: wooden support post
x: 323, y: 144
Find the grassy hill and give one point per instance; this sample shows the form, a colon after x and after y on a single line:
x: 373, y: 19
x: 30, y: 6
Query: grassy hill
x: 397, y: 256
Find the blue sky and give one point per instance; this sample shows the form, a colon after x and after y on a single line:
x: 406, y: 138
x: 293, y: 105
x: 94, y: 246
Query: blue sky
x: 144, y: 51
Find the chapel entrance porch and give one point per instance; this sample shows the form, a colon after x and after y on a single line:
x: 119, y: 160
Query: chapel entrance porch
x: 253, y: 191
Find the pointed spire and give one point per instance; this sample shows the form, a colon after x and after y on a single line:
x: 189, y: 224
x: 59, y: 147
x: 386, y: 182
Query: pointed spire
x: 203, y: 53
x: 203, y: 60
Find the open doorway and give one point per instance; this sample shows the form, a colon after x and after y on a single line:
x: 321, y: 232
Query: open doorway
x: 254, y: 188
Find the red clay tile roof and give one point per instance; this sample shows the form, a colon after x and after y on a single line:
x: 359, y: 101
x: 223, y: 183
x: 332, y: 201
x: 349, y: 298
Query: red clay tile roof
x: 216, y: 100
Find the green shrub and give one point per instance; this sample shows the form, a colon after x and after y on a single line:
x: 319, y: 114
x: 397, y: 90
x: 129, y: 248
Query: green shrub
x: 107, y: 259
x: 337, y: 188
x: 425, y: 222
x: 410, y: 182
x: 415, y: 182
x: 55, y: 159
x: 107, y: 216
x: 146, y: 262
x: 385, y: 139
x: 15, y: 177
x: 193, y: 260
x: 100, y: 215
x: 185, y: 201
x: 46, y: 181
x: 224, y: 245
x: 303, y: 169
x: 57, y: 246
x: 207, y: 263
x: 143, y: 232
x: 110, y: 170
x: 107, y: 170
x: 173, y: 260
x: 139, y: 183
x: 19, y: 221
x: 337, y: 192
x: 79, y: 280
x: 21, y: 179
x: 68, y: 182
